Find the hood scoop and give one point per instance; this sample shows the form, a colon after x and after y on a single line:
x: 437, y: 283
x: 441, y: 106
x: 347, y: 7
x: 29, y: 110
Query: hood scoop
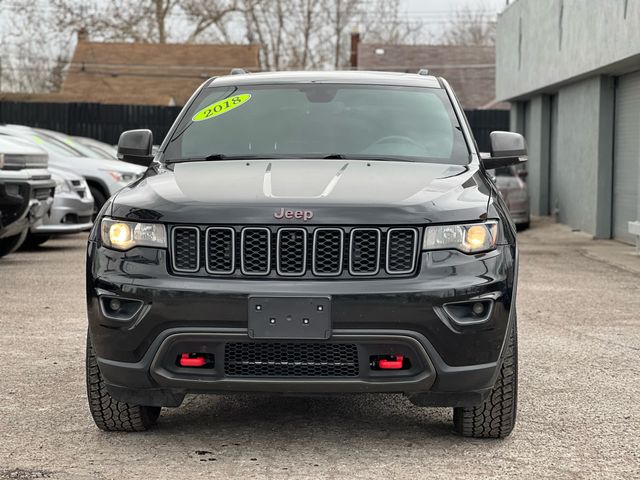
x: 310, y: 182
x: 268, y: 190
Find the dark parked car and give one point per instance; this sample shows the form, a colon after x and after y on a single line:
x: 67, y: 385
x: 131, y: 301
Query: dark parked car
x: 26, y: 192
x: 308, y: 233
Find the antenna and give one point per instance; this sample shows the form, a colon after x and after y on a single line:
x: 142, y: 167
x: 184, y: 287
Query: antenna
x: 423, y: 71
x: 238, y: 71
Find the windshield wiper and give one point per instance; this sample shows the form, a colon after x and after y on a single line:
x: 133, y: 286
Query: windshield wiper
x: 222, y: 156
x: 361, y: 156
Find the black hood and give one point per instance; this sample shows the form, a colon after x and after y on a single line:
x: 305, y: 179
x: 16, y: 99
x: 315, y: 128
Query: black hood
x: 336, y: 191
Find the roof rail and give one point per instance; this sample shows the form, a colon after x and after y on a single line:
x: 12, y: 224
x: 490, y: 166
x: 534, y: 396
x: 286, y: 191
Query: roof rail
x: 423, y: 71
x: 238, y: 71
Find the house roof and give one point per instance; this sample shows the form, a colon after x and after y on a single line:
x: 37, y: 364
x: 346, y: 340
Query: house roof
x: 469, y: 69
x: 146, y: 73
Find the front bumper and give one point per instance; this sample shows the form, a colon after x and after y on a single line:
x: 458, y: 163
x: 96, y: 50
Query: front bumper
x: 26, y: 196
x: 69, y: 214
x: 451, y: 364
x: 519, y: 210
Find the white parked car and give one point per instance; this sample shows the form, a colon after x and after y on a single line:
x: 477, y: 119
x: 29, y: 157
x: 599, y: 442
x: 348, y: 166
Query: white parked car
x: 100, y: 149
x: 515, y: 192
x: 70, y: 212
x: 104, y: 177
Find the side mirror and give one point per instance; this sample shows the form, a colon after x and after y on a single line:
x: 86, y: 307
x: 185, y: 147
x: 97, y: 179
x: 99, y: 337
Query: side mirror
x: 507, y: 148
x: 134, y: 146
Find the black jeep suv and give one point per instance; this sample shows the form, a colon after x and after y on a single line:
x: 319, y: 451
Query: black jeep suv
x: 308, y: 232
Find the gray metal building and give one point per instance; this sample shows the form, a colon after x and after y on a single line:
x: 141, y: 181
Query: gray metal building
x: 571, y: 69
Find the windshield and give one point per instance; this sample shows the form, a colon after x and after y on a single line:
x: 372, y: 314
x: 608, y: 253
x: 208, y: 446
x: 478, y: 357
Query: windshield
x: 100, y: 152
x: 320, y: 120
x: 44, y: 143
x: 66, y: 142
x: 54, y: 146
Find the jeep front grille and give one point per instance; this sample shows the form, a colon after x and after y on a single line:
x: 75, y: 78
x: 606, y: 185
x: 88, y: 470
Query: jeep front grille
x: 302, y: 252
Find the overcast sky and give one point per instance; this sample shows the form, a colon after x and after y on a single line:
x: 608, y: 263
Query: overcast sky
x: 436, y: 15
x: 438, y: 6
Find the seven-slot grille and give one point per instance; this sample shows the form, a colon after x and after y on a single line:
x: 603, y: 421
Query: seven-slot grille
x: 294, y: 251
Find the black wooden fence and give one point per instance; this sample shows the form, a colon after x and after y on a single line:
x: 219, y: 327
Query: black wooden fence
x: 483, y: 122
x: 106, y: 122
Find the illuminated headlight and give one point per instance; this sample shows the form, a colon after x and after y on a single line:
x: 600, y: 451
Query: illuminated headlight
x: 468, y: 238
x: 121, y: 235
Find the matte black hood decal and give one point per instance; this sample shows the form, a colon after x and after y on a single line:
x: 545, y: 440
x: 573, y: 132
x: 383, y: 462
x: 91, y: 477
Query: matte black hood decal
x: 338, y: 191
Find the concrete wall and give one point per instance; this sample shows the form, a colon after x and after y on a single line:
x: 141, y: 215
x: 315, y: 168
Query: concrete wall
x: 573, y: 182
x: 536, y: 131
x: 582, y: 169
x: 542, y: 43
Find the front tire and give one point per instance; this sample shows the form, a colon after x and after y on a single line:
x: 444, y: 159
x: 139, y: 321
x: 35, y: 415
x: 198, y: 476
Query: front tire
x: 497, y: 416
x: 108, y: 413
x: 99, y: 200
x: 33, y: 241
x: 11, y: 244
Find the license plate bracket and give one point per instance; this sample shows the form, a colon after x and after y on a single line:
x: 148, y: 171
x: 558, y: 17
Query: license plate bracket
x: 289, y: 318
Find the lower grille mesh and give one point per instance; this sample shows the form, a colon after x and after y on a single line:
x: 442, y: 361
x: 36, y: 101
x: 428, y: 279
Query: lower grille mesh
x: 291, y: 360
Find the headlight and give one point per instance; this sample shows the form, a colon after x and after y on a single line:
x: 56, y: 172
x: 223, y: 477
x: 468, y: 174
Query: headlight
x: 121, y: 235
x: 117, y: 176
x: 125, y: 177
x: 62, y: 186
x: 468, y: 238
x: 84, y: 186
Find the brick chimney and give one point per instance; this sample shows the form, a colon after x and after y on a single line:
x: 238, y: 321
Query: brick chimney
x: 355, y: 41
x: 83, y: 35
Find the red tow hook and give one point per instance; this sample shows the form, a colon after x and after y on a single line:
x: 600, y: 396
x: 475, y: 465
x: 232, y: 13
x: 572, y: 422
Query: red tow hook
x: 396, y: 364
x: 187, y: 360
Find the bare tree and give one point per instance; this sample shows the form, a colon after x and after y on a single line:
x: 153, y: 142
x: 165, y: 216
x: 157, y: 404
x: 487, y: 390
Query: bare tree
x: 341, y: 16
x: 293, y: 34
x: 471, y: 27
x: 383, y: 23
x: 30, y: 63
x: 209, y: 18
x: 143, y: 21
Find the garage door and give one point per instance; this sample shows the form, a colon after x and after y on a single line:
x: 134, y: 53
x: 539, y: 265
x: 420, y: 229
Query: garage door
x: 626, y: 161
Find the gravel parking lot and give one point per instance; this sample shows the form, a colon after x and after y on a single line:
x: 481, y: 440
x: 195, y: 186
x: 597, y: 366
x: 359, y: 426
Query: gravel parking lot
x: 579, y: 417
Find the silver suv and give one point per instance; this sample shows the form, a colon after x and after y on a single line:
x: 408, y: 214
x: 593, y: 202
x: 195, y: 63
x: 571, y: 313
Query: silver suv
x: 105, y: 177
